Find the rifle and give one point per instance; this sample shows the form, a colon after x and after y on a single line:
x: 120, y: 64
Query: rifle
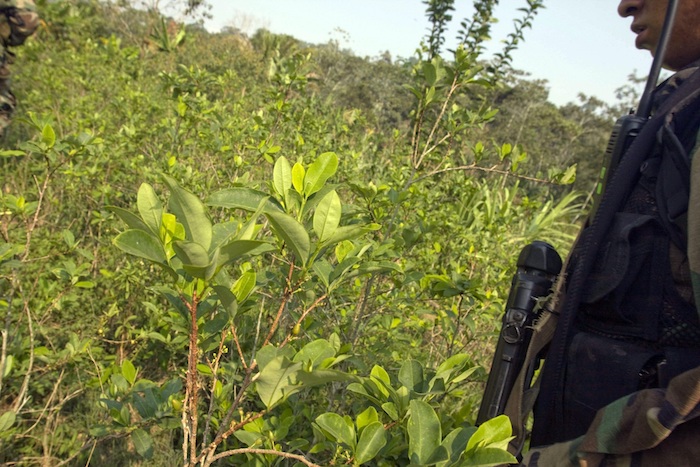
x: 537, y: 267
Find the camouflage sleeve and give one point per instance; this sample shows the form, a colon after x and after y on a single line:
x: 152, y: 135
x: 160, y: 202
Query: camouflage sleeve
x: 648, y: 428
x: 19, y: 21
x: 694, y: 222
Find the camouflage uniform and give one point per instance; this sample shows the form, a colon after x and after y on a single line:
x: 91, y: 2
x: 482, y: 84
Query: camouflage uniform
x: 18, y: 21
x: 652, y: 427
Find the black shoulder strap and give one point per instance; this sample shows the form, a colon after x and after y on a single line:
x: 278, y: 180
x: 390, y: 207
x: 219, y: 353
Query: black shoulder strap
x: 680, y: 135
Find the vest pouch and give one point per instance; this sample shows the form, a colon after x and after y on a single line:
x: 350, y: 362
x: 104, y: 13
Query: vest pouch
x: 623, y: 294
x: 599, y: 371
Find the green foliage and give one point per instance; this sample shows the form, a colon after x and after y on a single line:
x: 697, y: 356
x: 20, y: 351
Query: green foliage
x: 258, y: 251
x: 412, y: 430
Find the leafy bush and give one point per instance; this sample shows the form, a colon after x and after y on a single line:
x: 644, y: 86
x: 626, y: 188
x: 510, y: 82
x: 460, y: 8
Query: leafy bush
x: 211, y: 256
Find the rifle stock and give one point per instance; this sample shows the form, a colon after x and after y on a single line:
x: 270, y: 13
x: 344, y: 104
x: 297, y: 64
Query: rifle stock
x: 538, y: 266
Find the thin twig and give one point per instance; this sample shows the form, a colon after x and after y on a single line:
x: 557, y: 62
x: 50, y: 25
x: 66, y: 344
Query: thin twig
x: 285, y: 299
x: 304, y: 315
x: 482, y: 169
x: 453, y: 88
x: 234, y: 334
x: 20, y: 401
x: 214, y: 370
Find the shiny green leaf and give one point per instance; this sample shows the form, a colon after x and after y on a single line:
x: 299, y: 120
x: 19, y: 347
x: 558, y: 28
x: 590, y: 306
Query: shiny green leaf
x: 247, y: 199
x: 337, y: 429
x: 48, y: 135
x: 129, y: 371
x: 327, y: 216
x: 142, y: 443
x: 238, y: 248
x: 244, y: 285
x: 190, y: 212
x: 282, y: 177
x: 372, y: 440
x: 292, y: 233
x: 277, y: 381
x: 411, y: 376
x: 7, y: 419
x: 129, y: 218
x: 141, y: 244
x: 319, y: 172
x: 424, y: 432
x: 298, y: 173
x: 150, y: 207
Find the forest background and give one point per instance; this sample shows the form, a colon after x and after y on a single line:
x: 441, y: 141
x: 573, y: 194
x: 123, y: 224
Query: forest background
x: 318, y: 246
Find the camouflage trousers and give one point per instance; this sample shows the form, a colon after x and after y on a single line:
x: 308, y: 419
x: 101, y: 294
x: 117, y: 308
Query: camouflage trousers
x: 650, y: 428
x: 18, y: 21
x: 8, y: 102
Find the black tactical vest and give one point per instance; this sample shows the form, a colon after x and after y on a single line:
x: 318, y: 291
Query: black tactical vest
x: 637, y: 324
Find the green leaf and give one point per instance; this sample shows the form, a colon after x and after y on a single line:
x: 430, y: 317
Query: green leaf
x: 378, y: 267
x: 315, y: 352
x: 292, y: 233
x: 390, y: 409
x: 381, y: 374
x: 248, y: 438
x: 430, y: 73
x: 48, y: 136
x: 238, y: 248
x: 455, y: 443
x: 327, y: 216
x: 247, y: 199
x: 7, y: 420
x: 350, y: 232
x: 227, y: 300
x: 424, y: 433
x: 142, y: 244
x: 12, y: 153
x: 323, y: 270
x: 365, y: 418
x: 204, y: 369
x: 492, y: 433
x: 372, y: 440
x: 319, y: 377
x: 429, y: 95
x: 223, y: 233
x: 142, y: 443
x: 216, y: 324
x: 195, y: 259
x: 298, y: 173
x: 244, y: 285
x: 192, y: 254
x: 190, y: 212
x: 455, y: 363
x: 487, y: 457
x: 342, y: 250
x: 358, y: 388
x: 150, y: 208
x: 9, y: 363
x: 319, y: 172
x: 277, y: 381
x: 146, y: 405
x: 282, y: 177
x: 411, y: 376
x: 8, y: 250
x: 337, y: 429
x: 129, y: 371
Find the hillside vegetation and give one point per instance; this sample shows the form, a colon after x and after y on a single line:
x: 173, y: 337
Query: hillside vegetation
x: 230, y: 250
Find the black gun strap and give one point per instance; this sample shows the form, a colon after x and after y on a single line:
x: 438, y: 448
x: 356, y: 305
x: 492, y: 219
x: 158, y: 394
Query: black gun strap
x: 590, y: 240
